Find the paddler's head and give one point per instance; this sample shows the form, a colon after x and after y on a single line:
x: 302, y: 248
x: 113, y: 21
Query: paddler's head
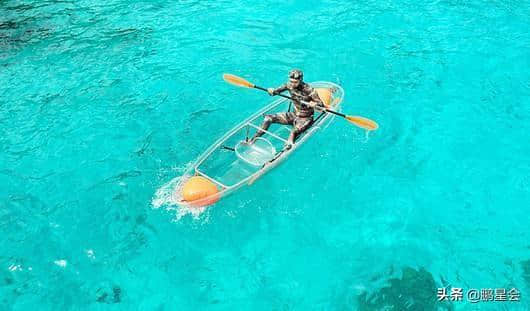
x: 296, y: 76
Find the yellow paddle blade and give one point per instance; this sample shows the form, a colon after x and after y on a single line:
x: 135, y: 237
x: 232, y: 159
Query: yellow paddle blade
x: 238, y: 81
x: 365, y: 123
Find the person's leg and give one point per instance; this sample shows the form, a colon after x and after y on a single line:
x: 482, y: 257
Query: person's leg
x: 300, y: 125
x: 292, y: 138
x: 267, y: 121
x: 281, y: 118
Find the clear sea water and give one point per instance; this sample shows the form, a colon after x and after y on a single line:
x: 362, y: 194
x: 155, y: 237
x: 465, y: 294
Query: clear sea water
x: 103, y: 104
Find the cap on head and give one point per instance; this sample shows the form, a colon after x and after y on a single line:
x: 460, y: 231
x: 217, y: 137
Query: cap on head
x: 296, y: 74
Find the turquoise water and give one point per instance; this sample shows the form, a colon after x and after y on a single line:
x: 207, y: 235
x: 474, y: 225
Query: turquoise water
x: 103, y: 105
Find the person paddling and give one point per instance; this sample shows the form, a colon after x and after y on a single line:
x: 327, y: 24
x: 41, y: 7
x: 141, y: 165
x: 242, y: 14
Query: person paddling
x: 302, y: 118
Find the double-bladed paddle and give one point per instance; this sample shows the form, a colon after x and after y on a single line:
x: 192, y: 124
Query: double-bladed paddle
x: 364, y: 123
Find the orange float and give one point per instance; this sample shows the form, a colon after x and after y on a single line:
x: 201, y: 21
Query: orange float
x: 199, y: 191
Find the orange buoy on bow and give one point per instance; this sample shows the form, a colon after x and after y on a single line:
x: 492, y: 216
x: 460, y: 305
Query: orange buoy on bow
x: 200, y: 191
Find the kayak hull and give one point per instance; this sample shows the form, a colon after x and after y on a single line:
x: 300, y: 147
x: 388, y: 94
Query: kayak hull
x: 220, y: 164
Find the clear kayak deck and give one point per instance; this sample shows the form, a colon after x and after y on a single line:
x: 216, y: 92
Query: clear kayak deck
x: 230, y: 164
x: 257, y: 153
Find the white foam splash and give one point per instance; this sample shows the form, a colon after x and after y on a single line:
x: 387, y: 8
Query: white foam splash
x: 167, y: 196
x: 366, y: 136
x: 15, y: 267
x: 90, y: 254
x: 61, y: 263
x: 181, y: 211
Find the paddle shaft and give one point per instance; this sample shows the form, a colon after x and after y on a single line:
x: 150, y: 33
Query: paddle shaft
x: 289, y: 97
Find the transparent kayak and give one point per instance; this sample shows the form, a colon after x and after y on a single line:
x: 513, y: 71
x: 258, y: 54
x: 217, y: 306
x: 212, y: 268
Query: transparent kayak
x: 231, y: 163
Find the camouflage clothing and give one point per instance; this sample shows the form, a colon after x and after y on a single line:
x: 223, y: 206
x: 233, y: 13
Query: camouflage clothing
x: 304, y: 92
x: 302, y: 118
x: 290, y: 118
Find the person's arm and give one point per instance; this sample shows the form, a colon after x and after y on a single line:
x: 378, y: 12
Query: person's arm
x: 277, y: 90
x: 315, y: 100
